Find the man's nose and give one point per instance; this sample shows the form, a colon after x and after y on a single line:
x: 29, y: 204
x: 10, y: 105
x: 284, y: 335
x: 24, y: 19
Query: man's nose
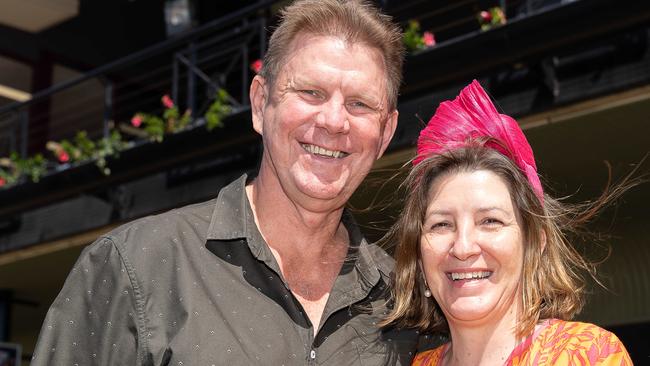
x: 334, y: 117
x: 465, y: 243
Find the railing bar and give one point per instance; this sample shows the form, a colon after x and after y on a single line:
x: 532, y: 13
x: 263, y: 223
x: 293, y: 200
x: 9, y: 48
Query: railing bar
x: 196, y: 70
x: 443, y: 9
x: 262, y: 36
x: 70, y: 105
x: 67, y: 113
x: 206, y: 78
x: 225, y: 35
x: 150, y: 89
x: 222, y: 52
x: 64, y: 121
x: 137, y: 80
x: 244, y: 74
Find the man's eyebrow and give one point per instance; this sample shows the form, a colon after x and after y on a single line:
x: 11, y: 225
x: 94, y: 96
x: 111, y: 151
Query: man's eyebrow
x: 301, y: 79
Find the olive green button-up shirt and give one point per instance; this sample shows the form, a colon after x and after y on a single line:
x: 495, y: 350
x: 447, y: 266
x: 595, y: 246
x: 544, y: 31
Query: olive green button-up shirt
x: 199, y: 286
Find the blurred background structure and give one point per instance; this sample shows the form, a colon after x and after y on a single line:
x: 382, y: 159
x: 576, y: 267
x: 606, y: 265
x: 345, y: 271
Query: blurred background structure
x: 115, y: 109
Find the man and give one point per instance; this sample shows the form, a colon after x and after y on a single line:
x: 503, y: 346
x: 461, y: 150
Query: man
x: 273, y: 271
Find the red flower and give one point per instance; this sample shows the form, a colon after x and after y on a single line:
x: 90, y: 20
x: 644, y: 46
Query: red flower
x: 429, y: 39
x: 167, y: 101
x: 2, y: 182
x: 485, y: 16
x: 256, y: 66
x: 63, y: 156
x: 136, y: 121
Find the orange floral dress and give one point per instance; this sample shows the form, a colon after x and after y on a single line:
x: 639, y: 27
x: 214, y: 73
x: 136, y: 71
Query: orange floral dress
x: 557, y: 342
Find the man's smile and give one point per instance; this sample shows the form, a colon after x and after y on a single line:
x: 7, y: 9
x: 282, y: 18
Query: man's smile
x: 320, y: 151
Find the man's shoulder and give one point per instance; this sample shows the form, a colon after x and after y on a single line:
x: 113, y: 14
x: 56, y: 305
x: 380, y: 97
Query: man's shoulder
x: 163, y: 231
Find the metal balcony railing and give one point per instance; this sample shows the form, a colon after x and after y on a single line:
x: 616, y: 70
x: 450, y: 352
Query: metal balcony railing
x: 191, y: 67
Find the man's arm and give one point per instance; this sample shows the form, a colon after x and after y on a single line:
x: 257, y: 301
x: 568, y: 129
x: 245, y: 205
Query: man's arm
x: 94, y: 319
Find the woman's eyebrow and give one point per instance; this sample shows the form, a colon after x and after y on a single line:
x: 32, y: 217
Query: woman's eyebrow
x: 438, y: 212
x: 494, y: 208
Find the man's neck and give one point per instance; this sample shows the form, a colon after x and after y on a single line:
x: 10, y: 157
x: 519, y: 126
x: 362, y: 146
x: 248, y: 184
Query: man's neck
x: 310, y: 247
x: 286, y: 225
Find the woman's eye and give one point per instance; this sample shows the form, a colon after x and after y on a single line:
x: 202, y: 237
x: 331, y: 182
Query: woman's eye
x: 492, y: 221
x: 440, y: 225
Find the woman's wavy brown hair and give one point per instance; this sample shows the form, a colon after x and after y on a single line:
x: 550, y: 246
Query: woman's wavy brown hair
x: 552, y: 277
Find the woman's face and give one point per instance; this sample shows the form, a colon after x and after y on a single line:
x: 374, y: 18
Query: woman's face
x: 471, y: 248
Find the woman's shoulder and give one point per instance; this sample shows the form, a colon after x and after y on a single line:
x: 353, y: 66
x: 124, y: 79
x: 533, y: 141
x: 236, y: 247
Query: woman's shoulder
x: 576, y: 332
x: 567, y: 341
x: 430, y: 357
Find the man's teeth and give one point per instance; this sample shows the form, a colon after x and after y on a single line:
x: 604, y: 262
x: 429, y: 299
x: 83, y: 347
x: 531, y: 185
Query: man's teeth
x: 470, y: 275
x: 317, y: 150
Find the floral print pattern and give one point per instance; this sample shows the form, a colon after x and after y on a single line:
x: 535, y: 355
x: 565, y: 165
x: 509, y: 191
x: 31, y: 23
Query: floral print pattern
x: 558, y: 342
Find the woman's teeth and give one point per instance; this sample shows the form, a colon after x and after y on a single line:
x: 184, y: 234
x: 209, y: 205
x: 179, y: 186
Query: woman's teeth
x: 455, y: 276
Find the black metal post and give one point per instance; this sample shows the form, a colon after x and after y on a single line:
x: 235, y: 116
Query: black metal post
x: 5, y: 314
x: 191, y: 78
x: 108, y: 106
x: 263, y: 35
x: 175, y: 77
x: 244, y: 75
x: 13, y: 123
x: 24, y: 132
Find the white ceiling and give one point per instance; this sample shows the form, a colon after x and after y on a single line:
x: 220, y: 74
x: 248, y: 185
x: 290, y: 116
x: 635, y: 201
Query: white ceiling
x: 36, y: 15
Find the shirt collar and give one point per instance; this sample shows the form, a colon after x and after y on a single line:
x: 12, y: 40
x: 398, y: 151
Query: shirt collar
x: 232, y: 219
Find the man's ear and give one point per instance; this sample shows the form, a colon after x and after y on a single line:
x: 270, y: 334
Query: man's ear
x: 388, y: 132
x: 258, y: 96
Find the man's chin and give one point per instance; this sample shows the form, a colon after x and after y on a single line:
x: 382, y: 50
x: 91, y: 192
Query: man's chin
x: 323, y: 193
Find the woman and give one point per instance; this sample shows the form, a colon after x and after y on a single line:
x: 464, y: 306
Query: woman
x: 482, y: 251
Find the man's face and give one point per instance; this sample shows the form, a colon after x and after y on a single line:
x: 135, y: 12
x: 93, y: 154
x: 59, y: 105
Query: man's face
x: 324, y: 121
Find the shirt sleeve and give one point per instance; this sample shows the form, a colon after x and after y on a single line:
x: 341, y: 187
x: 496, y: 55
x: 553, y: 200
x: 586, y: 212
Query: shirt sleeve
x: 587, y: 344
x: 610, y: 351
x: 93, y: 320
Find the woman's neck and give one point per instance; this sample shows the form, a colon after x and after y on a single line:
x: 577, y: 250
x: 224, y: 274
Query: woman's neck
x: 487, y: 343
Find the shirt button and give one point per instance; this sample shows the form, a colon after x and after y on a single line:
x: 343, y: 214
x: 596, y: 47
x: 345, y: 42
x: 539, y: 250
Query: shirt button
x: 312, y: 354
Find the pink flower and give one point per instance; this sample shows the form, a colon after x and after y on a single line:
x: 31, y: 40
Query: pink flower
x: 136, y: 121
x: 256, y: 66
x: 167, y: 101
x: 2, y: 182
x: 485, y: 16
x: 429, y: 39
x: 63, y: 156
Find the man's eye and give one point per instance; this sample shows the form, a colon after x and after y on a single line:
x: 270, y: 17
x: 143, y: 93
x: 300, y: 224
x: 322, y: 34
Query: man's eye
x: 312, y: 93
x: 359, y: 105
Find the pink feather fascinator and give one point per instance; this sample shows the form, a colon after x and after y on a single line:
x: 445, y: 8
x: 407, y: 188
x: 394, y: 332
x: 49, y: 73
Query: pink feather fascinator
x: 472, y: 116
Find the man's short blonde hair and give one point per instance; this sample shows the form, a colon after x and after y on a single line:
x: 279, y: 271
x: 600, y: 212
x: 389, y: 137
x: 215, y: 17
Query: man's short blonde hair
x: 355, y: 21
